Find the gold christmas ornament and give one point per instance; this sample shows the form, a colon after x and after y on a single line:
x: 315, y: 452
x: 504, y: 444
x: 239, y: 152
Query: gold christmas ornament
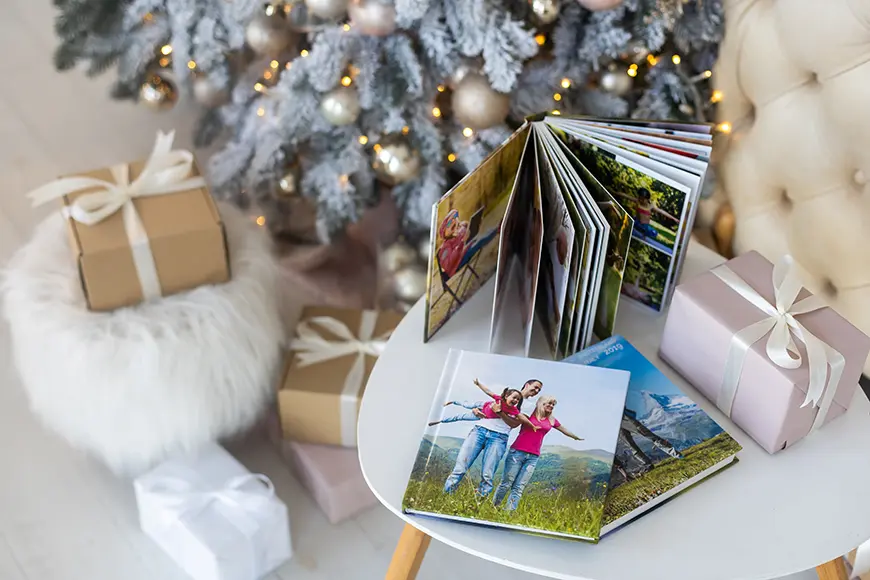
x: 395, y: 159
x: 269, y: 33
x: 409, y: 283
x: 208, y: 93
x: 545, y: 11
x: 615, y: 80
x: 340, y: 106
x: 328, y: 9
x: 398, y: 255
x: 465, y: 66
x: 288, y: 185
x: 158, y: 92
x: 477, y: 105
x: 372, y: 17
x: 597, y: 5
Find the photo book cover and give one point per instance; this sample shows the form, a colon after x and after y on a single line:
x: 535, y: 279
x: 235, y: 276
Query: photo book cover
x: 519, y: 443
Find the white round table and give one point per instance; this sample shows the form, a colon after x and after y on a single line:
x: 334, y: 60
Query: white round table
x: 766, y: 517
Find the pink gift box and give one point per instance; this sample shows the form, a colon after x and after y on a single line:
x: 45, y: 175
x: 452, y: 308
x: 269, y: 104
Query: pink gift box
x: 332, y: 476
x: 704, y: 316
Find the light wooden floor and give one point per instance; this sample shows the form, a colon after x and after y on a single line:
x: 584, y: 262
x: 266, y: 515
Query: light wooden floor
x: 63, y: 516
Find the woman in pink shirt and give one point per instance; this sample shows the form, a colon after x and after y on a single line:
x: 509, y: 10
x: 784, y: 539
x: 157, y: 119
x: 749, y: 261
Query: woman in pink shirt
x: 525, y: 451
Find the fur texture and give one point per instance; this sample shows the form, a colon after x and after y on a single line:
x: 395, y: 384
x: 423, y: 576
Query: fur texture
x: 135, y: 385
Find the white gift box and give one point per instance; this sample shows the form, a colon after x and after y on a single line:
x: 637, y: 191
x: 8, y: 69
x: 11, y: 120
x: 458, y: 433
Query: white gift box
x: 213, y: 517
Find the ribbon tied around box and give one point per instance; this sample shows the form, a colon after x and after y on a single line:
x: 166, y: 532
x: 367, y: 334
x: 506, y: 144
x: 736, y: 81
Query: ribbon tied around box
x: 166, y: 171
x: 312, y: 348
x: 782, y: 325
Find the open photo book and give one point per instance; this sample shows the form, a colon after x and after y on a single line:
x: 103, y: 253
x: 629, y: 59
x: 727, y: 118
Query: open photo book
x: 519, y: 443
x: 568, y: 214
x: 667, y: 443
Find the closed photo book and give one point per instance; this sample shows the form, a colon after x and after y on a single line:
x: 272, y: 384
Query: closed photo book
x: 667, y: 443
x: 519, y: 443
x: 568, y: 214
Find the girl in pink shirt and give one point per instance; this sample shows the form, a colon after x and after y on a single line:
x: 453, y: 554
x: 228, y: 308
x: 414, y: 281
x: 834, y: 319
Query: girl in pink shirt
x: 525, y: 451
x: 456, y: 250
x: 509, y: 401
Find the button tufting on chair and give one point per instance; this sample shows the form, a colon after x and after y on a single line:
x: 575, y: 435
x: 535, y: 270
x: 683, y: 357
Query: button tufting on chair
x: 796, y: 80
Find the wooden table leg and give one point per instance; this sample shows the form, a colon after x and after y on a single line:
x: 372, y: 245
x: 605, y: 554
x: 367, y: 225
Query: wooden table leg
x: 409, y: 554
x: 833, y: 570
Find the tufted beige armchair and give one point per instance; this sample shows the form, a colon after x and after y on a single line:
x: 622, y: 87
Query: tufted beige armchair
x: 795, y: 78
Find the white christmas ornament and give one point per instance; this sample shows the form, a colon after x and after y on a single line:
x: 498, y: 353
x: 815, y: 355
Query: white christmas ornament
x: 328, y: 9
x: 477, y: 105
x: 340, y: 106
x: 372, y: 17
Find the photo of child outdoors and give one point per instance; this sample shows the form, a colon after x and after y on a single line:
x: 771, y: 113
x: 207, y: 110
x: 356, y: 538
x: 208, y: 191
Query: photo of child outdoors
x: 646, y: 275
x: 533, y: 453
x: 465, y: 228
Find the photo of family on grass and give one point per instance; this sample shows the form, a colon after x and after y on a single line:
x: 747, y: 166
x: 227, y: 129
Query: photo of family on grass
x: 519, y: 443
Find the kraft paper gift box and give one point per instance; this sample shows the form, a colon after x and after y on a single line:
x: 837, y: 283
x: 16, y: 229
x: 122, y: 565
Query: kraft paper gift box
x: 213, y: 517
x: 142, y: 230
x: 710, y: 323
x: 328, y: 365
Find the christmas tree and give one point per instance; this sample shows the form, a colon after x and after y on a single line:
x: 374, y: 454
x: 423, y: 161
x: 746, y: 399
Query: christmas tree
x: 337, y: 101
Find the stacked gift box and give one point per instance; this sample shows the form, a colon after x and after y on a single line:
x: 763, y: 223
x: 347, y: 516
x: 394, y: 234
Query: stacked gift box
x: 320, y: 391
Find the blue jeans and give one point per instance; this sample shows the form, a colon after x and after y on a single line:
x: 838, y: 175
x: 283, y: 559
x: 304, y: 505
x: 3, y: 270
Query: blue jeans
x: 465, y: 416
x: 479, y: 440
x: 518, y: 469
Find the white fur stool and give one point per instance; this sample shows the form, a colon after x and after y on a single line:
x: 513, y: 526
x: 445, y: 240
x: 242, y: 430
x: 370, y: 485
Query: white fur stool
x: 134, y: 385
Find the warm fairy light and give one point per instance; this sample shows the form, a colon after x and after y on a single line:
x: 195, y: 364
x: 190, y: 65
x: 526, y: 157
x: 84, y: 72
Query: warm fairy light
x: 566, y: 83
x: 632, y: 72
x: 436, y: 112
x: 261, y: 111
x: 405, y: 130
x: 451, y: 157
x: 652, y: 60
x: 191, y: 64
x: 259, y: 87
x: 270, y: 10
x: 346, y: 27
x: 148, y: 17
x: 555, y: 112
x: 716, y: 96
x: 468, y: 132
x: 274, y: 64
x: 557, y: 97
x: 676, y: 59
x: 164, y: 61
x: 303, y: 53
x: 708, y: 74
x: 441, y: 88
x: 288, y: 65
x: 261, y: 220
x: 540, y: 39
x: 363, y: 139
x: 346, y: 81
x: 267, y: 75
x: 343, y: 179
x: 724, y: 127
x: 632, y: 66
x: 166, y: 50
x: 377, y: 147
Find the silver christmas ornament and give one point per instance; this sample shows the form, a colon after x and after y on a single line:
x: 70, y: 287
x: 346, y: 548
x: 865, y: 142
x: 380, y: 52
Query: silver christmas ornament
x: 372, y: 17
x: 398, y: 255
x: 158, y: 92
x: 545, y: 11
x: 465, y: 66
x: 615, y: 80
x: 596, y: 5
x: 409, y: 283
x: 208, y: 93
x: 268, y: 33
x: 477, y: 105
x: 395, y: 159
x: 340, y: 106
x: 288, y: 185
x: 328, y: 9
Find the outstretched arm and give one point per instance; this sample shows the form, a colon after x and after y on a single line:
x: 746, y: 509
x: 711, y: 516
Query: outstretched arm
x: 525, y: 421
x: 567, y: 433
x: 664, y: 213
x: 484, y: 389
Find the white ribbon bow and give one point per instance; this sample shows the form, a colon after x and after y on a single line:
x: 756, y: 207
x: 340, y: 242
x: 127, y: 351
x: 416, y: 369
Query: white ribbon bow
x: 312, y: 348
x: 166, y: 171
x: 781, y: 349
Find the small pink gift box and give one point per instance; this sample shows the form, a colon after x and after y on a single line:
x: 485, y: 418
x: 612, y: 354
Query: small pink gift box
x: 332, y: 476
x: 698, y: 342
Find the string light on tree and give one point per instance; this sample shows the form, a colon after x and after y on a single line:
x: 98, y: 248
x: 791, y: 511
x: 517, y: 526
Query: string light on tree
x: 724, y: 127
x: 566, y: 83
x: 716, y: 96
x: 676, y: 59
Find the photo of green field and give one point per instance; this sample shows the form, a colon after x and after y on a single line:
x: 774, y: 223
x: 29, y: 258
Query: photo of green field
x: 646, y: 274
